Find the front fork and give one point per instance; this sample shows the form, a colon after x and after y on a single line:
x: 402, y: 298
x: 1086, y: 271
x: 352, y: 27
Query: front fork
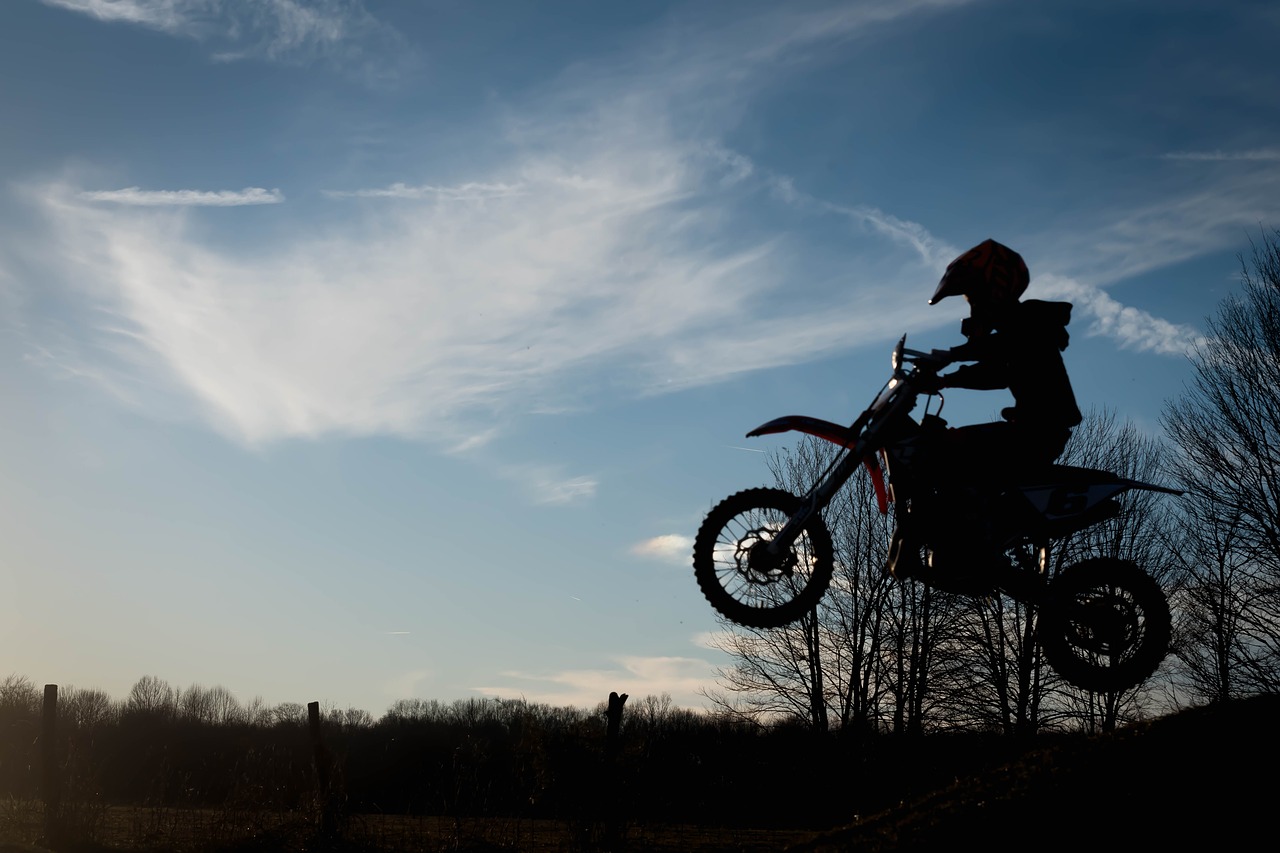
x: 817, y: 498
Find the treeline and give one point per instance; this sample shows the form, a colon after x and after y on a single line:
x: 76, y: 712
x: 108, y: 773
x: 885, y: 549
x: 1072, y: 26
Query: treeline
x: 199, y: 748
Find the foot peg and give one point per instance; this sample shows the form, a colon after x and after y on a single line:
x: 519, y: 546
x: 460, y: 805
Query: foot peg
x: 904, y: 557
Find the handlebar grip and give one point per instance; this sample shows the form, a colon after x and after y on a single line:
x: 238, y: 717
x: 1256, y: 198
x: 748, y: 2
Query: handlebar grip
x: 943, y: 357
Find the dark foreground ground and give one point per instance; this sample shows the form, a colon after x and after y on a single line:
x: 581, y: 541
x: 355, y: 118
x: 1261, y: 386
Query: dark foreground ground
x: 1202, y: 778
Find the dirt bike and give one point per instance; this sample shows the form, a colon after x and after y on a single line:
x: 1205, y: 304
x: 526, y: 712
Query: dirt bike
x: 764, y: 557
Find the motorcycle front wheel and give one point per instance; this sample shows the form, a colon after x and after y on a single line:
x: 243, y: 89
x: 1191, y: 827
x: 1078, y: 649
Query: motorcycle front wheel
x: 743, y: 580
x: 1106, y: 626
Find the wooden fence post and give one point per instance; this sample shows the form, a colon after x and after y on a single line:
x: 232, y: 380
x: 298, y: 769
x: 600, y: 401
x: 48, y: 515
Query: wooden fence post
x: 613, y: 787
x: 614, y: 715
x: 50, y: 789
x: 320, y: 755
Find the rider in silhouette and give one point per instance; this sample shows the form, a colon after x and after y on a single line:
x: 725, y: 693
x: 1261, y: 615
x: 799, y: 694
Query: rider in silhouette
x: 1011, y: 344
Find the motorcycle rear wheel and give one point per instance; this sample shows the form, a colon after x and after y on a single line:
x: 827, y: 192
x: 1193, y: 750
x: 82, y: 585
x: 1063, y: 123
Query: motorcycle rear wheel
x: 1106, y: 626
x: 736, y: 573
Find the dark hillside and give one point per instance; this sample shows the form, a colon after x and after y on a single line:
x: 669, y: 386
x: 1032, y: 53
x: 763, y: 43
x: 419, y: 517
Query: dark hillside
x: 1206, y: 776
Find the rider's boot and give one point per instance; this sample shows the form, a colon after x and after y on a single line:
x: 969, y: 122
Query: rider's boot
x: 904, y: 554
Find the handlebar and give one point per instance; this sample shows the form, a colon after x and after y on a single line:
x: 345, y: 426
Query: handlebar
x: 925, y: 362
x: 932, y: 360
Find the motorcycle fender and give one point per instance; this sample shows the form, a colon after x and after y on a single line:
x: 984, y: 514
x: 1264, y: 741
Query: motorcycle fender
x: 877, y: 483
x: 835, y: 433
x: 1151, y: 487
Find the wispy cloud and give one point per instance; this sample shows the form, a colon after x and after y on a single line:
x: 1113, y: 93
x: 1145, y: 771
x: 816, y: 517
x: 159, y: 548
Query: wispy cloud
x: 463, y: 192
x: 549, y: 486
x: 790, y: 32
x: 607, y: 246
x: 669, y: 548
x: 1254, y: 154
x: 933, y: 253
x: 166, y: 15
x: 424, y: 321
x: 613, y: 251
x: 185, y: 198
x: 568, y: 491
x: 277, y: 30
x: 637, y: 676
x: 1182, y: 220
x: 1131, y: 327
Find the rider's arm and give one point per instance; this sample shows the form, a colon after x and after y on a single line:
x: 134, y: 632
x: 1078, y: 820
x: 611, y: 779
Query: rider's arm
x: 980, y: 376
x: 972, y: 351
x: 989, y: 370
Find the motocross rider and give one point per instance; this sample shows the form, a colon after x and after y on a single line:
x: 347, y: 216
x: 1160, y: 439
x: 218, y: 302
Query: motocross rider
x: 1011, y: 344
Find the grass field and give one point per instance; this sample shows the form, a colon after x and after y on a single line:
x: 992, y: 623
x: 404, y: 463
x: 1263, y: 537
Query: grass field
x: 169, y: 830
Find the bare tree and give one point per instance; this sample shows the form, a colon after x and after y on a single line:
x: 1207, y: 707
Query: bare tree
x: 1140, y: 533
x: 775, y: 673
x: 225, y: 707
x: 87, y: 708
x: 919, y: 626
x: 152, y: 697
x: 1003, y: 681
x: 1211, y: 641
x: 256, y: 712
x: 860, y: 621
x: 990, y: 672
x: 348, y: 719
x: 19, y: 698
x: 860, y: 659
x: 195, y: 704
x: 1226, y: 427
x: 907, y: 658
x: 783, y: 672
x: 288, y: 713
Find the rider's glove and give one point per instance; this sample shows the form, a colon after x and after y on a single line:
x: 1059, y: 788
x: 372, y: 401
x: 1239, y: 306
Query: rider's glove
x: 929, y: 383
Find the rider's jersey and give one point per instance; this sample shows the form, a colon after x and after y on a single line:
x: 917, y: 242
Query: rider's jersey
x: 1024, y: 354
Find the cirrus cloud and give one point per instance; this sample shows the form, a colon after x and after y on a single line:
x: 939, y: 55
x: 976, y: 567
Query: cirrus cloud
x: 185, y: 198
x: 617, y: 261
x: 286, y: 31
x: 1218, y: 156
x: 472, y: 191
x: 669, y: 548
x: 683, y: 678
x: 606, y: 250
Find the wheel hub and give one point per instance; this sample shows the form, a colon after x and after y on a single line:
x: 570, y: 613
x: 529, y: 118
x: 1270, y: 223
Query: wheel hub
x: 759, y: 565
x: 1104, y: 625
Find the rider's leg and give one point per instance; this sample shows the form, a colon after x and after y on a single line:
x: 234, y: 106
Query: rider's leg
x: 976, y: 461
x: 913, y: 507
x: 904, y: 555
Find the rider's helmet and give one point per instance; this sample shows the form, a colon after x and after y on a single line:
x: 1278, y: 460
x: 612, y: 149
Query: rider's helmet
x: 990, y: 272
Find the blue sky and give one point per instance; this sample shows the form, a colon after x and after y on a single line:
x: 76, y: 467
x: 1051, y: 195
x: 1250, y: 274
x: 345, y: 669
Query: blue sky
x: 355, y: 351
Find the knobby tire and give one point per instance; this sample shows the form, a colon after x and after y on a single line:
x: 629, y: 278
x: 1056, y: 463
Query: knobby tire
x: 1065, y: 642
x: 748, y: 598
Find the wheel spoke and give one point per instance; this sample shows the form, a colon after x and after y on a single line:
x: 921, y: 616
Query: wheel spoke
x: 744, y: 582
x: 1110, y: 626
